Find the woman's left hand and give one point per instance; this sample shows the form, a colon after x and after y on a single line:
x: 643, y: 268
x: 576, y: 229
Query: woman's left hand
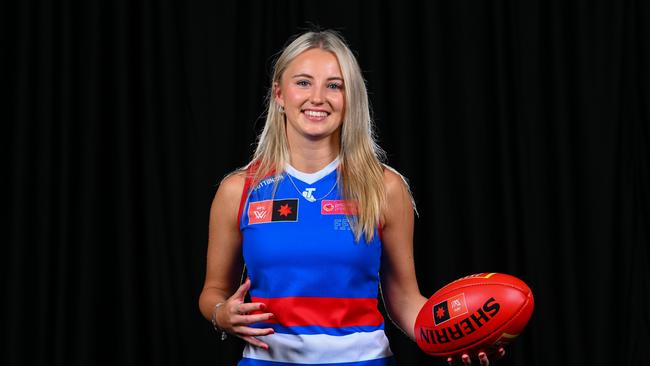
x: 483, y: 358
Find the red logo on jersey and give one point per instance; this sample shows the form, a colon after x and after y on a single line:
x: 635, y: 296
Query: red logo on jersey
x: 337, y: 207
x: 259, y: 212
x: 284, y: 210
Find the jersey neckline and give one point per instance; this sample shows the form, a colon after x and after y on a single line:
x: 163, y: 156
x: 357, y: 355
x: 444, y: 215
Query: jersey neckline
x: 311, y: 178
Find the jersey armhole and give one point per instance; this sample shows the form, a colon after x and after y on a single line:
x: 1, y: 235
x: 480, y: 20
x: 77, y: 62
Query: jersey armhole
x: 242, y: 201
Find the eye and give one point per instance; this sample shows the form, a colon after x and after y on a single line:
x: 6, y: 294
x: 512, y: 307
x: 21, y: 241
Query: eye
x: 335, y: 86
x: 302, y: 83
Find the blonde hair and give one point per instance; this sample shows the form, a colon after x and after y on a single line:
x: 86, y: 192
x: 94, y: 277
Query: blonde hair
x: 360, y: 170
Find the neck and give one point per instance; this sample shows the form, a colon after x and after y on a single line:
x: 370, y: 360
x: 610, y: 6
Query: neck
x: 312, y: 156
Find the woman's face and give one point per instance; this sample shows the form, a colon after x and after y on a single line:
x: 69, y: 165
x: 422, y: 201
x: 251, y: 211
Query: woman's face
x: 312, y: 93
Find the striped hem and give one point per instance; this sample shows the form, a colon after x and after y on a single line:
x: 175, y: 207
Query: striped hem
x: 316, y: 329
x: 387, y: 361
x: 321, y: 348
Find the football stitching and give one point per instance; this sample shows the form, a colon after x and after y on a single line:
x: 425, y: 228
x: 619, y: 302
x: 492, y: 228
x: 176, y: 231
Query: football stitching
x: 477, y: 284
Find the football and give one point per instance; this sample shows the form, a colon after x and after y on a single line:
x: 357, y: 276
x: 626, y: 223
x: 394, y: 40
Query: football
x: 475, y: 313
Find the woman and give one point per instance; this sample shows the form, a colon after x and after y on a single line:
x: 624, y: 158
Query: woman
x: 319, y: 221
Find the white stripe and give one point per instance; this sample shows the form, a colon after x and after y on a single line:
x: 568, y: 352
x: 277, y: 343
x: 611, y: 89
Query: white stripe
x: 321, y: 348
x: 311, y: 178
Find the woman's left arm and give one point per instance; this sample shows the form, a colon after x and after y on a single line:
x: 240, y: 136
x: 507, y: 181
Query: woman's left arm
x: 399, y: 286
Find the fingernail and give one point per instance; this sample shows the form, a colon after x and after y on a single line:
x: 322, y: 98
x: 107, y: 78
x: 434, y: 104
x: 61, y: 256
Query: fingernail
x: 271, y: 316
x: 262, y: 306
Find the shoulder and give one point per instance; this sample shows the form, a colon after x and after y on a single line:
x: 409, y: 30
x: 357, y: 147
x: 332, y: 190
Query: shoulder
x: 233, y: 182
x: 394, y: 183
x: 230, y: 190
x: 399, y: 201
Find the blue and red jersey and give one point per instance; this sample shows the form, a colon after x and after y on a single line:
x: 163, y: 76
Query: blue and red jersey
x: 305, y: 265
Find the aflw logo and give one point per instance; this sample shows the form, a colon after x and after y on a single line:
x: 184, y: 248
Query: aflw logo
x: 260, y: 214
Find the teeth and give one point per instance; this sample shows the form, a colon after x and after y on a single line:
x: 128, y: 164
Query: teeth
x: 316, y: 114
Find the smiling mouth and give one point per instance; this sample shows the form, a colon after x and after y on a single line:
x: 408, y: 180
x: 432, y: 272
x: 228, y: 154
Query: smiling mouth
x: 315, y: 114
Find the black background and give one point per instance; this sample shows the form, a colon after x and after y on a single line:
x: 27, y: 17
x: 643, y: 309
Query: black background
x: 523, y: 127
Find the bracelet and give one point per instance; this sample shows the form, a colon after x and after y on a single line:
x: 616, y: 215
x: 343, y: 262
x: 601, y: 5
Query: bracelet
x: 224, y: 335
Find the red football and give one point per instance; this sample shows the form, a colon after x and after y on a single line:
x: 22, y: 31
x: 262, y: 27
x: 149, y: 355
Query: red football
x: 474, y: 313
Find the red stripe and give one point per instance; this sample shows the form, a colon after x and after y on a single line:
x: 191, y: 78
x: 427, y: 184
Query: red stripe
x: 244, y: 195
x: 323, y: 311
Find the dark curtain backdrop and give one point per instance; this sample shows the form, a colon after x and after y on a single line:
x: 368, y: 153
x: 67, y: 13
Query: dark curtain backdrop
x: 523, y: 127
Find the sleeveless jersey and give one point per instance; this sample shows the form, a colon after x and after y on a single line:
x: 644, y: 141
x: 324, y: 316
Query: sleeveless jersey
x: 305, y: 265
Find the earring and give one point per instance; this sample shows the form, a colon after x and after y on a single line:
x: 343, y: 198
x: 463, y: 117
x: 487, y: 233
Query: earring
x: 281, y: 109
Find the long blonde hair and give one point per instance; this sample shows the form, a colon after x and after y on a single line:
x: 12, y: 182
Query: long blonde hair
x: 361, y: 170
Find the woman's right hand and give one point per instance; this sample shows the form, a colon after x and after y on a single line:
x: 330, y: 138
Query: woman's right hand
x: 233, y: 317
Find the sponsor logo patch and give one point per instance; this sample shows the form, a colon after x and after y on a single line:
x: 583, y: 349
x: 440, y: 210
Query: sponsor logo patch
x: 273, y: 211
x: 337, y: 207
x: 308, y: 193
x: 449, y: 309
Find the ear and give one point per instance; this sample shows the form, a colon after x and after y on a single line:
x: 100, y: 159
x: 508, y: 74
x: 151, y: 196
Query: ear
x: 277, y: 94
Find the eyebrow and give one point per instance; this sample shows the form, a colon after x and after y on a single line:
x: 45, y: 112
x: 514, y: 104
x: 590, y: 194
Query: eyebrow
x: 311, y: 77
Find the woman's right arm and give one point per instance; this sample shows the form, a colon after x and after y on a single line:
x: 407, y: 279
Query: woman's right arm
x: 224, y: 268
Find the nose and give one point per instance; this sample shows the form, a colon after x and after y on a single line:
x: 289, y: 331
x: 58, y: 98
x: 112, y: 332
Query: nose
x: 316, y: 96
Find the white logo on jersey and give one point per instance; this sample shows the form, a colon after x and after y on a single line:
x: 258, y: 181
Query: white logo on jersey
x: 268, y: 181
x: 308, y: 194
x: 260, y: 214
